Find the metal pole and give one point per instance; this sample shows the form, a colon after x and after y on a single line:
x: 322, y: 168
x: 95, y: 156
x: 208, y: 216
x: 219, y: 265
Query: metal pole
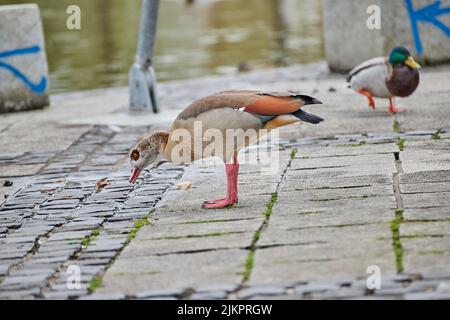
x: 142, y: 80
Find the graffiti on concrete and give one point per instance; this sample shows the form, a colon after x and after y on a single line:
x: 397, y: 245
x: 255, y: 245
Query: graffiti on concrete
x: 35, y: 87
x: 428, y: 14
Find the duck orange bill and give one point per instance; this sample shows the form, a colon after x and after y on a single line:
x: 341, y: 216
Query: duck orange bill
x: 135, y: 174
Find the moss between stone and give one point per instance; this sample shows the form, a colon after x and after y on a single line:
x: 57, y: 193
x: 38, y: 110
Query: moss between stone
x: 87, y: 241
x: 273, y: 200
x: 293, y: 153
x: 249, y: 265
x: 94, y: 284
x: 401, y: 144
x: 251, y: 254
x: 360, y: 144
x: 395, y: 126
x: 138, y: 225
x: 436, y: 135
x: 396, y: 243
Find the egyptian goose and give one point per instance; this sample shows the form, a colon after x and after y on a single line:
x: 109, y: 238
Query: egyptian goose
x: 386, y: 77
x: 239, y: 111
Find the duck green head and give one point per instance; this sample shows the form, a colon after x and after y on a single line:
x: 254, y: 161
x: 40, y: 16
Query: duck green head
x: 402, y: 56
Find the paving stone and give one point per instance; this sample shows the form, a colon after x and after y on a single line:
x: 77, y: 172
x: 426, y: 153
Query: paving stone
x: 427, y: 296
x: 159, y: 293
x: 269, y: 290
x: 95, y: 209
x: 315, y: 287
x: 70, y: 235
x: 105, y: 296
x: 211, y: 295
x: 28, y: 293
x: 23, y: 239
x: 63, y: 295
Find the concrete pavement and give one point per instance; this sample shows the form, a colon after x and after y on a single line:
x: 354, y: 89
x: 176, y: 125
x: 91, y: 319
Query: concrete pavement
x: 362, y: 189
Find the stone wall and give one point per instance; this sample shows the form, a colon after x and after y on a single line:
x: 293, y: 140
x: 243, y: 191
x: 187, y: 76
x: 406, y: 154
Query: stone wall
x: 421, y: 25
x: 23, y: 62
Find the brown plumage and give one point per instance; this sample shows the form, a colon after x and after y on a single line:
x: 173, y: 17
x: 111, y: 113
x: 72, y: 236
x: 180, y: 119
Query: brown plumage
x: 402, y: 81
x: 245, y: 112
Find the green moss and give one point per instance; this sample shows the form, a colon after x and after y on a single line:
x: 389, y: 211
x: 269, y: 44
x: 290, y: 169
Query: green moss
x: 273, y: 200
x: 249, y: 265
x: 401, y: 144
x: 395, y: 126
x: 87, y: 241
x: 94, y: 284
x: 293, y: 153
x: 251, y: 254
x: 396, y: 243
x: 361, y: 143
x: 137, y: 226
x: 436, y: 135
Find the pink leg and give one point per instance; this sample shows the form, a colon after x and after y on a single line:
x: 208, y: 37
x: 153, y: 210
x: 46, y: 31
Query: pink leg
x: 232, y: 171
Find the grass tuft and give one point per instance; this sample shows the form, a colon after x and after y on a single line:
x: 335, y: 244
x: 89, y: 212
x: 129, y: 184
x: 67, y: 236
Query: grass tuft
x: 395, y: 126
x: 436, y: 135
x: 87, y: 241
x: 137, y: 226
x: 401, y: 144
x: 95, y: 283
x: 293, y: 153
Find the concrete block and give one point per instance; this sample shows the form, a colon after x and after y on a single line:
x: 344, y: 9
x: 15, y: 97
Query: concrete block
x: 23, y: 62
x: 423, y: 26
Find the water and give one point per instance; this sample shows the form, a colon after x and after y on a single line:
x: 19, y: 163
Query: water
x: 204, y: 38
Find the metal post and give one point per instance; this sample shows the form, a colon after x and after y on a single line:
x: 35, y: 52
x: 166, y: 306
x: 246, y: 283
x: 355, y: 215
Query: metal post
x: 142, y: 80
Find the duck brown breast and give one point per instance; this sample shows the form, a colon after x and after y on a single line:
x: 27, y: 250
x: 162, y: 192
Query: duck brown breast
x: 403, y: 81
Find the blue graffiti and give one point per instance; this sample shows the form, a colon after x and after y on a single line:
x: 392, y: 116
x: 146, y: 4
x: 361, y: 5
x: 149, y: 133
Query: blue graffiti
x: 427, y: 14
x: 35, y: 87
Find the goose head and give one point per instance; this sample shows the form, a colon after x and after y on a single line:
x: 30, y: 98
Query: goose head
x: 146, y: 152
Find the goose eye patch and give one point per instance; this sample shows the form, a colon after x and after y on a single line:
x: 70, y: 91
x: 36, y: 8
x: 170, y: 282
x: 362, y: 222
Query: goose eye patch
x: 135, y: 155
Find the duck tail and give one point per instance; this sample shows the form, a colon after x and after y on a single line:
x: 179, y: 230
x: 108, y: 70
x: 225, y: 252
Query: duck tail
x: 307, y: 117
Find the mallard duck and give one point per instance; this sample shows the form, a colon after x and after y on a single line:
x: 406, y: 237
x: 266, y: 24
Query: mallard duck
x: 386, y: 77
x: 241, y: 111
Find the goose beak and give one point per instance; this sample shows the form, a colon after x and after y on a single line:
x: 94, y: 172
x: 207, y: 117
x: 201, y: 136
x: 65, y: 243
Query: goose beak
x: 410, y: 62
x: 135, y: 172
